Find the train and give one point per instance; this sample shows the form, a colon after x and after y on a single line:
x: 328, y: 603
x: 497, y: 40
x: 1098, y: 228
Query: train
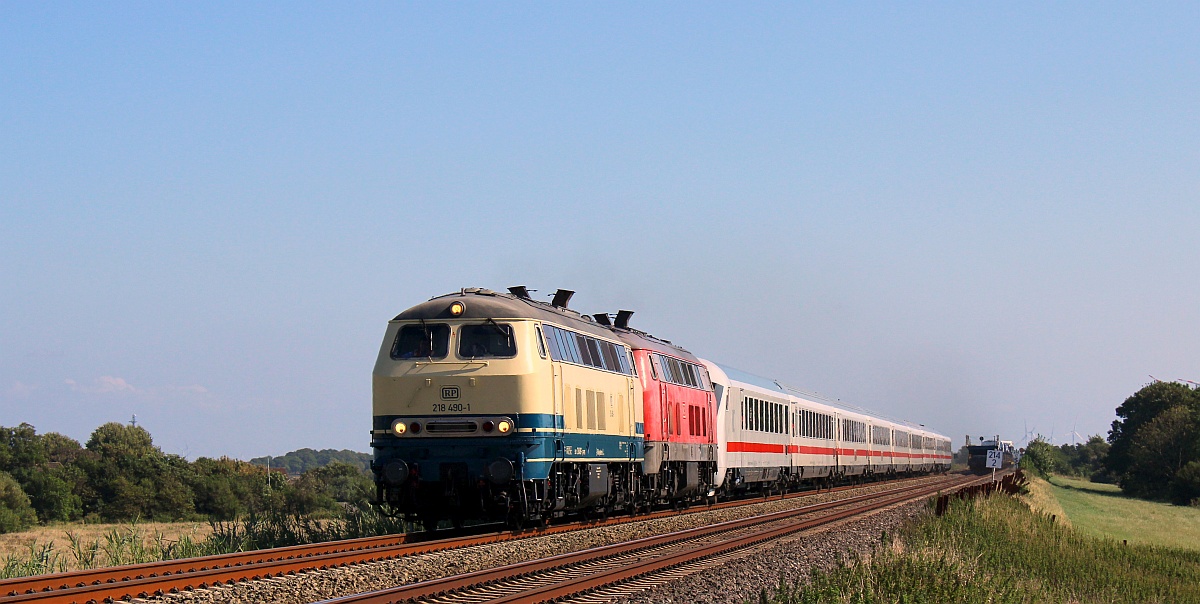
x: 977, y: 454
x: 491, y: 406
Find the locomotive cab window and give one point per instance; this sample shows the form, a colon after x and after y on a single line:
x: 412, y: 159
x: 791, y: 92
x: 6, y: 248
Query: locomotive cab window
x: 422, y: 342
x: 487, y: 340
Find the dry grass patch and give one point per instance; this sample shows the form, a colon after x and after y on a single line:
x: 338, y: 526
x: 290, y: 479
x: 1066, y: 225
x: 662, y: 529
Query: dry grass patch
x: 64, y: 547
x: 1041, y: 499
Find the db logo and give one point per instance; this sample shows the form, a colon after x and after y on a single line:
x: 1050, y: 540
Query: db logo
x: 449, y: 393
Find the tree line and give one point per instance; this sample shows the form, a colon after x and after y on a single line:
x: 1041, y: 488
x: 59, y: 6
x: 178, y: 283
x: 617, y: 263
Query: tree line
x: 1152, y: 450
x: 120, y: 475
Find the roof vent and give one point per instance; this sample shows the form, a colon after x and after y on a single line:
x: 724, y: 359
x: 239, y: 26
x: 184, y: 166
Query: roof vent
x: 623, y: 318
x: 561, y: 297
x: 602, y: 318
x: 519, y: 291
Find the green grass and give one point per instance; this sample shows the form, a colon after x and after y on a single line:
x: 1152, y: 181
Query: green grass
x: 998, y: 550
x: 1103, y: 511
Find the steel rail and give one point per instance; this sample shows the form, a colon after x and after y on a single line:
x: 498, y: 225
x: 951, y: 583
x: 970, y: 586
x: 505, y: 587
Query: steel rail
x: 20, y: 585
x: 621, y: 574
x: 448, y: 585
x: 155, y: 578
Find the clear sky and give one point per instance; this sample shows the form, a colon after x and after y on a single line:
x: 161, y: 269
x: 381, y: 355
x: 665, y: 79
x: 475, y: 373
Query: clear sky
x: 980, y: 217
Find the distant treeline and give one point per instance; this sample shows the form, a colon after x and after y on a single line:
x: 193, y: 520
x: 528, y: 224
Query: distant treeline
x: 303, y: 460
x: 120, y: 475
x: 1152, y: 451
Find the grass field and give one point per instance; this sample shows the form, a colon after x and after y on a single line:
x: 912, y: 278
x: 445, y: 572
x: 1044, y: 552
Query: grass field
x: 1003, y: 549
x: 1102, y: 510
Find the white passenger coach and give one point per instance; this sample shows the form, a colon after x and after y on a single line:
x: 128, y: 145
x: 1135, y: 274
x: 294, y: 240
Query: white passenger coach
x: 768, y: 433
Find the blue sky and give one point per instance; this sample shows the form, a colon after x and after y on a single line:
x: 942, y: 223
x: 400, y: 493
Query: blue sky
x: 977, y: 217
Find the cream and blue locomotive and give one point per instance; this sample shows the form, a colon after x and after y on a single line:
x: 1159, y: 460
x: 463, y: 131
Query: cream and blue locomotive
x: 496, y: 406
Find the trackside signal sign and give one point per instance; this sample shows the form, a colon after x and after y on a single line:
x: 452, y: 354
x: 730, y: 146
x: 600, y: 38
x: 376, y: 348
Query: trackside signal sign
x: 995, y: 459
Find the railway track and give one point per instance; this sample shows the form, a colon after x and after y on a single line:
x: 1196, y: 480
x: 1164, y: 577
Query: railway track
x: 560, y: 577
x: 158, y: 578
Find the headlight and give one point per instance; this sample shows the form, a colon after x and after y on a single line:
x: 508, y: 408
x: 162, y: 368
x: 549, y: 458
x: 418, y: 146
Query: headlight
x: 457, y: 309
x: 399, y: 427
x: 504, y: 426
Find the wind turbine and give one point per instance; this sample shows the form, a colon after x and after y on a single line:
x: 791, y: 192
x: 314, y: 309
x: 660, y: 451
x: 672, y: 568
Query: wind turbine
x: 1075, y: 434
x: 1028, y: 432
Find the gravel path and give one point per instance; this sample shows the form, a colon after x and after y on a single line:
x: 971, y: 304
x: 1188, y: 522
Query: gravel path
x: 324, y: 584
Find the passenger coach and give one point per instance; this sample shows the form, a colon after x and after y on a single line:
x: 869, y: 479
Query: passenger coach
x: 773, y: 438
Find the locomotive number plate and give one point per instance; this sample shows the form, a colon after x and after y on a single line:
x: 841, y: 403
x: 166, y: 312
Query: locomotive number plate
x: 450, y: 393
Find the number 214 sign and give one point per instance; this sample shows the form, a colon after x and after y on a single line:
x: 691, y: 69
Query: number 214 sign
x: 995, y: 459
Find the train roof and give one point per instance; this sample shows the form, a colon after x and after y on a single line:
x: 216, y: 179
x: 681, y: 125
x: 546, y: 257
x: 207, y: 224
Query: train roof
x: 480, y: 304
x: 642, y: 340
x: 775, y: 386
x: 750, y: 378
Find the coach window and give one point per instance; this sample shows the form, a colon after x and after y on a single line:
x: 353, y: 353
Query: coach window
x: 422, y: 341
x: 486, y: 340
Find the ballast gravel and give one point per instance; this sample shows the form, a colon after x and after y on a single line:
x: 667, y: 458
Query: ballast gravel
x: 743, y: 578
x: 760, y: 568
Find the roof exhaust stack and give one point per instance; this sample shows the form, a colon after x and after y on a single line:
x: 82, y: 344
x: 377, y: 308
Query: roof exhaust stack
x: 602, y: 318
x: 519, y: 291
x: 623, y: 318
x: 561, y: 297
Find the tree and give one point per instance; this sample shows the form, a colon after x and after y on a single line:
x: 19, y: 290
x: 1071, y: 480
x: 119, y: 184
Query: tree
x: 321, y: 489
x: 1186, y: 487
x: 117, y: 441
x: 1042, y: 458
x: 1137, y: 411
x: 128, y: 477
x: 21, y: 451
x: 1085, y: 459
x: 15, y: 512
x: 54, y: 494
x: 1161, y: 448
x: 227, y: 488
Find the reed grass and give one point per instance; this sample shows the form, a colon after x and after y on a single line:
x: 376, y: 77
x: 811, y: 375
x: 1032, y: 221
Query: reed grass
x: 118, y: 545
x: 135, y: 543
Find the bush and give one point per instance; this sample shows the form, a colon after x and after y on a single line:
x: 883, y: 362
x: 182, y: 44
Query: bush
x: 15, y: 512
x: 1042, y: 458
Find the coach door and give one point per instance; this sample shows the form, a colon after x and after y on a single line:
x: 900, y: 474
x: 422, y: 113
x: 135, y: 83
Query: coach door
x: 837, y: 443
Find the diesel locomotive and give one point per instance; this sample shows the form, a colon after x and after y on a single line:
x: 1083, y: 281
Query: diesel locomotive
x: 496, y: 406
